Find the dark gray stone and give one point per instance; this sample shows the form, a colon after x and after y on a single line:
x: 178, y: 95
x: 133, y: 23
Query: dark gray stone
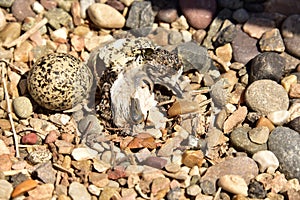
x: 244, y: 47
x: 291, y: 34
x: 194, y: 57
x: 285, y: 144
x: 240, y: 140
x: 241, y: 15
x: 226, y: 35
x: 231, y: 4
x: 215, y: 27
x: 140, y: 15
x: 295, y: 124
x: 267, y: 65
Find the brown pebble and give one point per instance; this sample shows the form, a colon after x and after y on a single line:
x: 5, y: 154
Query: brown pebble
x: 24, y: 187
x: 263, y: 121
x: 183, y: 107
x: 191, y: 158
x: 295, y: 91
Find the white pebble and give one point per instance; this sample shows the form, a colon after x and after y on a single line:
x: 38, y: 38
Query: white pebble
x: 83, y: 153
x: 37, y: 7
x: 266, y: 161
x: 234, y: 184
x: 279, y: 117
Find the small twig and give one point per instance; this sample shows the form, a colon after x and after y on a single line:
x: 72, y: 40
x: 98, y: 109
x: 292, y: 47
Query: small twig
x: 26, y: 35
x: 9, y: 112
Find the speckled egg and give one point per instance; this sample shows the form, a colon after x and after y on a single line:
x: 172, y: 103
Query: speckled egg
x: 59, y: 81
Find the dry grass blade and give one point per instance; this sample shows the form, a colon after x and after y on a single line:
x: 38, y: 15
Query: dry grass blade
x: 4, y: 63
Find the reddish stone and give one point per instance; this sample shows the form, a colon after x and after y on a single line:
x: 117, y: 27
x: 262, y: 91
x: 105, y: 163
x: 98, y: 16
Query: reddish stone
x: 199, y: 13
x: 30, y: 138
x: 116, y: 173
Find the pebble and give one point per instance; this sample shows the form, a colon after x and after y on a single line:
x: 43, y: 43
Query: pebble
x: 60, y: 119
x: 256, y: 190
x: 193, y: 158
x: 60, y: 35
x: 180, y: 23
x: 236, y: 118
x: 30, y: 138
x: 155, y: 162
x: 267, y: 65
x: 5, y: 124
x: 295, y: 124
x: 37, y: 7
x: 295, y: 91
x: 240, y: 140
x: 22, y: 107
x: 286, y: 7
x: 174, y: 37
x: 44, y: 191
x: 3, y: 148
x: 6, y: 3
x: 5, y: 162
x: 267, y: 161
x: 263, y: 121
x: 224, y: 53
x: 168, y: 147
x: 2, y: 20
x: 288, y: 81
x: 271, y: 41
x: 234, y: 184
x: 79, y: 192
x: 168, y: 13
x: 138, y: 9
x: 39, y: 156
x: 259, y: 134
x: 23, y: 187
x: 23, y: 52
x: 240, y: 15
x: 266, y: 96
x: 89, y: 125
x: 194, y: 57
x: 6, y: 189
x: 284, y: 143
x: 290, y: 31
x: 202, y: 13
x: 108, y: 193
x: 226, y: 35
x: 242, y: 166
x: 256, y: 26
x: 244, y: 47
x: 64, y: 147
x: 98, y: 179
x: 193, y: 190
x: 279, y: 118
x: 11, y: 32
x: 46, y: 173
x: 21, y: 9
x: 83, y: 153
x: 160, y: 186
x: 58, y: 18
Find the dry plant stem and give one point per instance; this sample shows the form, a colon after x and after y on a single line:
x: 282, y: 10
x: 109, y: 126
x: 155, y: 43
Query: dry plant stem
x: 26, y: 35
x: 9, y: 112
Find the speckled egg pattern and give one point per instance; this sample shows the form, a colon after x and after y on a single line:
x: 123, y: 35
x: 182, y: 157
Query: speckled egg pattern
x: 59, y: 81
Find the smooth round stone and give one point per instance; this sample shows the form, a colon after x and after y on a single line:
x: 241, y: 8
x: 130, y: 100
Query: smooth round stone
x: 241, y: 15
x: 234, y: 184
x: 279, y: 117
x: 267, y: 65
x: 240, y: 140
x: 202, y: 13
x: 285, y: 144
x: 22, y: 107
x: 290, y: 30
x: 100, y: 13
x: 259, y: 134
x: 267, y: 161
x: 266, y: 96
